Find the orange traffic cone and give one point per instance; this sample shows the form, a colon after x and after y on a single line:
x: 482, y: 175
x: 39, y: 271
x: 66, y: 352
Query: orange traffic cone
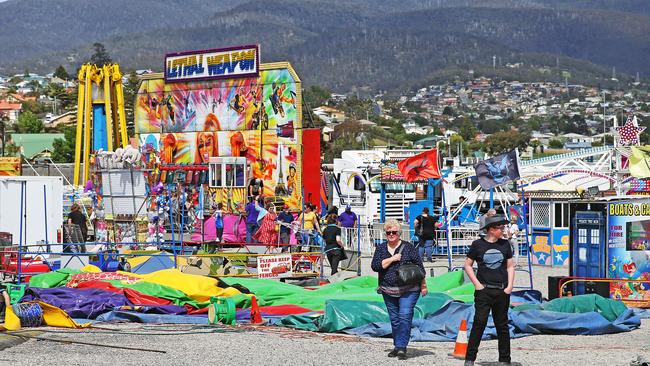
x: 460, y: 349
x: 256, y: 316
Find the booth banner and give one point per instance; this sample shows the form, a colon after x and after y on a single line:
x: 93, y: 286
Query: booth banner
x: 276, y: 266
x: 629, y: 249
x: 268, y: 102
x: 560, y: 247
x: 258, y: 118
x: 213, y: 64
x: 540, y: 249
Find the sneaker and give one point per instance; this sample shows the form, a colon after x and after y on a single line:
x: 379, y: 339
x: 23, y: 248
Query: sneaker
x: 393, y: 353
x: 502, y: 363
x: 401, y: 354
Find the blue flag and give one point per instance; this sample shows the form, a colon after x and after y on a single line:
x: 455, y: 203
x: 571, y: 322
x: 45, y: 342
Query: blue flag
x: 498, y: 170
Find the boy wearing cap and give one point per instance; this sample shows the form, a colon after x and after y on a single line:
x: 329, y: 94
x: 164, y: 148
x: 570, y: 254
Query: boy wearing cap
x: 493, y: 282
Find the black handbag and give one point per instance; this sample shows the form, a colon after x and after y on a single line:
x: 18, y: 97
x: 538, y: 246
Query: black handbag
x: 409, y: 273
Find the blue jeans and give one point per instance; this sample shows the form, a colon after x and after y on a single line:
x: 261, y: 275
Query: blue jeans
x: 250, y: 230
x: 400, y: 311
x: 426, y: 246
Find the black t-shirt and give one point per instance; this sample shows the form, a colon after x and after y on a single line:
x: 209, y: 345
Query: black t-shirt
x: 329, y: 235
x: 428, y: 225
x: 492, y: 260
x: 79, y: 219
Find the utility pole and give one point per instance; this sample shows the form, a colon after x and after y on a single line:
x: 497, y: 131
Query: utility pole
x: 604, y: 120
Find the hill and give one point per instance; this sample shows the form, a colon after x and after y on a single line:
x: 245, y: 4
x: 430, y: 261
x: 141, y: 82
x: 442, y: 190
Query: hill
x: 345, y: 45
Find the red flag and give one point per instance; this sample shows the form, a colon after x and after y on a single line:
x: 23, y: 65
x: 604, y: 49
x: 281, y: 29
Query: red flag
x: 420, y: 166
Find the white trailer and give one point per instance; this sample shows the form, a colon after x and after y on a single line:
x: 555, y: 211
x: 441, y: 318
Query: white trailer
x: 355, y: 184
x: 31, y: 209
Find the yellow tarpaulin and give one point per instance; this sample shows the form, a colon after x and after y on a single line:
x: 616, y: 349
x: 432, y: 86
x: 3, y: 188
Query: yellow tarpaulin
x: 52, y: 316
x: 199, y: 288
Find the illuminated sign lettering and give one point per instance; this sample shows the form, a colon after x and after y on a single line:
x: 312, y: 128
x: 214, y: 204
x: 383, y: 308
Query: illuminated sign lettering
x: 224, y: 63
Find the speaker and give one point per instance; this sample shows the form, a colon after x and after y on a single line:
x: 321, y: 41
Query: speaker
x: 600, y: 288
x: 553, y: 286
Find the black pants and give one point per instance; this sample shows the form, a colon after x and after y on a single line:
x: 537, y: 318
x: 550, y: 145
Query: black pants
x: 334, y: 257
x: 484, y: 301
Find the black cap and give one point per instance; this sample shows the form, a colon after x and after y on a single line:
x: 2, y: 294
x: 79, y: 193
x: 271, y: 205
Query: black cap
x: 495, y: 220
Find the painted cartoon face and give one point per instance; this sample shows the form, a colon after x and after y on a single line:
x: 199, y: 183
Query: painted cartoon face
x: 292, y: 171
x: 205, y: 145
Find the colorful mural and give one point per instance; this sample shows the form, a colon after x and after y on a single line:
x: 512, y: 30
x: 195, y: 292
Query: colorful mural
x: 541, y: 250
x: 628, y: 254
x: 560, y: 247
x: 258, y: 118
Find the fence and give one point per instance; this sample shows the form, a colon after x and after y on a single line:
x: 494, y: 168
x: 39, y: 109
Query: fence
x: 461, y: 239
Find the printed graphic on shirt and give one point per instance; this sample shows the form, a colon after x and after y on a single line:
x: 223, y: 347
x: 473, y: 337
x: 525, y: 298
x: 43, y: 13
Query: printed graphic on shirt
x: 493, y: 258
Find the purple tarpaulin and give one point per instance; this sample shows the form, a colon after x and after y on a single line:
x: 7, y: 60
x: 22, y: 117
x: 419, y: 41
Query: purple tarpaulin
x: 90, y: 303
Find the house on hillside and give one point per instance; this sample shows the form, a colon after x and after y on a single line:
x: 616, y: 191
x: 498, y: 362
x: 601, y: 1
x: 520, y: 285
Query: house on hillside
x: 66, y: 119
x: 576, y: 141
x: 329, y: 114
x: 35, y: 145
x: 10, y: 110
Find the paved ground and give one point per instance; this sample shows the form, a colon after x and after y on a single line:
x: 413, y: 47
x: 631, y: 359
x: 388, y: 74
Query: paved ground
x: 194, y: 345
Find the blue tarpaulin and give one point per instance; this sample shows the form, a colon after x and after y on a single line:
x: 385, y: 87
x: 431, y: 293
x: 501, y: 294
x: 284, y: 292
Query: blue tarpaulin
x: 443, y: 324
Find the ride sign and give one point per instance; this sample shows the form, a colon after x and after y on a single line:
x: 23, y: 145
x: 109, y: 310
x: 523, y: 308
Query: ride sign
x: 223, y: 63
x: 276, y: 266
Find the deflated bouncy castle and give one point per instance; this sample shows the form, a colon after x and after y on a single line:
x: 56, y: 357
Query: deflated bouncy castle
x: 79, y: 298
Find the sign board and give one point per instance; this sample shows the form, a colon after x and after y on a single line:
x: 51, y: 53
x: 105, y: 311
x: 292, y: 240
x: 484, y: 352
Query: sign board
x: 629, y: 248
x: 276, y: 266
x: 223, y: 63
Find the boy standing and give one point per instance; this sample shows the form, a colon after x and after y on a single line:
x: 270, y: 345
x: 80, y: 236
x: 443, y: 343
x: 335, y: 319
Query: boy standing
x: 493, y: 282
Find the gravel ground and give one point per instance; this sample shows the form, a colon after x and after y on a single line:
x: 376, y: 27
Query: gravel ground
x: 192, y: 345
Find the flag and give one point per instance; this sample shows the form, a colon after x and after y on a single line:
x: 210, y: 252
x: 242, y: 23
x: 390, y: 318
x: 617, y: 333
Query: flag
x: 420, y: 166
x: 498, y: 170
x: 639, y: 161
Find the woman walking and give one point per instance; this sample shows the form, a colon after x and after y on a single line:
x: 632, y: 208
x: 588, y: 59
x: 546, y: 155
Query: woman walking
x: 333, y: 243
x: 399, y: 298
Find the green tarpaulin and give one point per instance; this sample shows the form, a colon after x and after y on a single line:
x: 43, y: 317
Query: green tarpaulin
x: 271, y: 292
x: 609, y: 309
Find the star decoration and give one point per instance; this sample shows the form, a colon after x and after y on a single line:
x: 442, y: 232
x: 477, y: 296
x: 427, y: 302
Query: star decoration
x: 541, y: 257
x: 628, y: 134
x: 559, y: 257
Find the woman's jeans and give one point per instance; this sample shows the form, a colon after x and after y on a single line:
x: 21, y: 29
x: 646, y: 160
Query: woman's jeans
x: 426, y: 247
x: 400, y: 311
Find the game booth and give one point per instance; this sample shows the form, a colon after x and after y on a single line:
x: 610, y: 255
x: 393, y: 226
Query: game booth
x: 610, y: 250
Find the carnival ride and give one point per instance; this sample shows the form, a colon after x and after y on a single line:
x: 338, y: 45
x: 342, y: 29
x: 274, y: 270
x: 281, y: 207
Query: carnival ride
x: 101, y: 122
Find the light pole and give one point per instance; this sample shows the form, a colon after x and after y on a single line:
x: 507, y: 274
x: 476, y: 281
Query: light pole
x: 604, y: 120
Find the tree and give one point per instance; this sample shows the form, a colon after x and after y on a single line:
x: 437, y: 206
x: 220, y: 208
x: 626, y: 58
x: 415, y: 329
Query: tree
x: 100, y: 57
x: 63, y: 149
x: 468, y: 130
x: 448, y: 111
x: 504, y: 141
x: 457, y: 145
x: 130, y: 93
x: 61, y: 73
x: 29, y: 123
x: 555, y: 144
x: 33, y: 107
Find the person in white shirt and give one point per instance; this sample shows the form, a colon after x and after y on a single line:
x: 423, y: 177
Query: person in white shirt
x: 512, y: 233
